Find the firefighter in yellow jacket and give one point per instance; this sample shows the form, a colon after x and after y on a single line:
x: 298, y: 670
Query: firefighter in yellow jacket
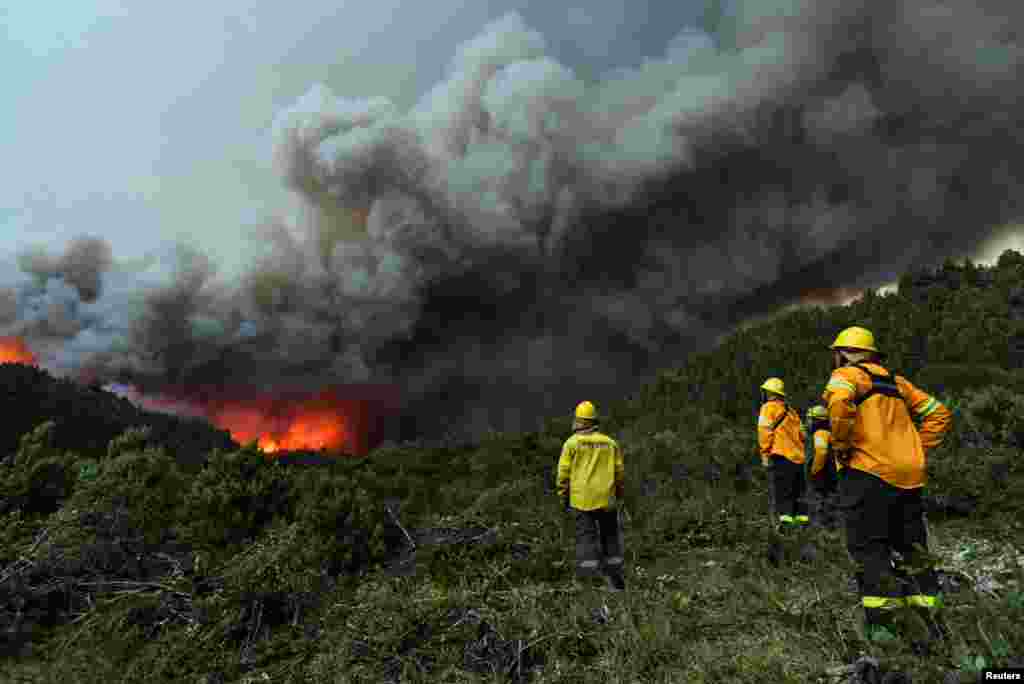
x: 820, y: 467
x: 780, y: 438
x: 872, y: 412
x: 590, y: 473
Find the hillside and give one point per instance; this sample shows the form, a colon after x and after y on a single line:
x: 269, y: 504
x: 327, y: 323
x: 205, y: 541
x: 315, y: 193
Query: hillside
x: 453, y: 563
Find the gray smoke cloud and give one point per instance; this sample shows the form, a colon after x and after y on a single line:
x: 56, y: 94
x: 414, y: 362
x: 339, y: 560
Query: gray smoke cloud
x: 521, y: 239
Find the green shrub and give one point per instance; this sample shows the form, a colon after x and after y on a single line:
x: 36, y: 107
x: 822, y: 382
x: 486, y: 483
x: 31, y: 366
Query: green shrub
x: 956, y: 379
x: 230, y: 501
x: 996, y: 412
x: 339, y: 518
x: 39, y: 477
x: 147, y: 484
x: 286, y: 558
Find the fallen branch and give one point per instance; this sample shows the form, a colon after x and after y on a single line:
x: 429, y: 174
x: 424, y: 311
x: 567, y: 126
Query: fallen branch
x: 138, y: 585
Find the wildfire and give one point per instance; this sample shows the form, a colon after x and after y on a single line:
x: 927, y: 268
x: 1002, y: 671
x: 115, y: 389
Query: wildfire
x: 14, y: 350
x: 338, y: 420
x: 316, y: 423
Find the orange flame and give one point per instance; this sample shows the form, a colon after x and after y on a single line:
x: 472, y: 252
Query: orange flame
x: 339, y: 420
x: 315, y: 423
x: 335, y: 421
x: 14, y: 350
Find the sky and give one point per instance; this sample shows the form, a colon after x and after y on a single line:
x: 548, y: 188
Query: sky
x: 147, y: 121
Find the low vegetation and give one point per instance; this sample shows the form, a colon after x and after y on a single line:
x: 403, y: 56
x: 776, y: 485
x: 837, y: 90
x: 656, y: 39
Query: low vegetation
x: 453, y: 563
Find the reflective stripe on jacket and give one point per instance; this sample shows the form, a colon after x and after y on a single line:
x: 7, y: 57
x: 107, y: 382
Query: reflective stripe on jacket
x: 590, y: 470
x: 879, y: 433
x: 786, y: 440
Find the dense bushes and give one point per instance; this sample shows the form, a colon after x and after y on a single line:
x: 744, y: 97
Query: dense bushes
x: 230, y: 500
x: 996, y: 413
x: 85, y: 419
x: 960, y: 326
x: 39, y: 476
x: 144, y: 482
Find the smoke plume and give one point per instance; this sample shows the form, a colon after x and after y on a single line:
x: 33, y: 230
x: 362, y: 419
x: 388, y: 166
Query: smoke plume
x: 522, y: 239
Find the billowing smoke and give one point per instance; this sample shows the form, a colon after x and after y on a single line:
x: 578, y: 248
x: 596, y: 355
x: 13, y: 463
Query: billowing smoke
x: 522, y: 239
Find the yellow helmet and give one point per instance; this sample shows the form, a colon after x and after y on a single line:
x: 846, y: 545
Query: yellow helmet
x: 817, y: 412
x: 774, y: 385
x: 855, y: 338
x: 586, y: 411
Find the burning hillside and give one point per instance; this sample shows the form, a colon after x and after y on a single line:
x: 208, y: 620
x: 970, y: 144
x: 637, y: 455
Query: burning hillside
x: 14, y: 350
x: 335, y: 420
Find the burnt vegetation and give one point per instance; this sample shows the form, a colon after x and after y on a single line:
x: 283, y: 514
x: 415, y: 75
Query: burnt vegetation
x: 136, y: 547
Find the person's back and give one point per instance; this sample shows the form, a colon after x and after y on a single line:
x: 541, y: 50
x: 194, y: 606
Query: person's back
x: 590, y: 472
x: 881, y: 483
x: 883, y: 440
x: 591, y: 469
x: 780, y: 439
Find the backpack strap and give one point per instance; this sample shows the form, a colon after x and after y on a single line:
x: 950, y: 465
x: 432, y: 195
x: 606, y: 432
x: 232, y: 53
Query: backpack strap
x: 880, y: 384
x: 778, y: 421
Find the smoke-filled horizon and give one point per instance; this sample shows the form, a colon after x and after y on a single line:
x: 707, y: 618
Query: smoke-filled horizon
x: 522, y: 238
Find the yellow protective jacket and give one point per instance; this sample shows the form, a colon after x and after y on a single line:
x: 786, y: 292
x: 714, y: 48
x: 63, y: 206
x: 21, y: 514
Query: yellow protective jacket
x: 822, y: 439
x: 879, y: 434
x: 787, y: 439
x: 590, y: 470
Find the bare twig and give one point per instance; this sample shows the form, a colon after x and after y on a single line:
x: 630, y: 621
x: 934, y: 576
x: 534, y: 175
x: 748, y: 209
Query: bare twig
x: 838, y: 671
x: 412, y: 544
x: 141, y: 586
x: 25, y: 561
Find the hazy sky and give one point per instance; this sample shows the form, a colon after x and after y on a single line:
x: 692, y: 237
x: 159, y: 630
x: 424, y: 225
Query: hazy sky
x: 144, y: 121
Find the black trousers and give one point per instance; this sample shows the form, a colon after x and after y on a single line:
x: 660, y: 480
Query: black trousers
x: 599, y: 543
x: 788, y: 482
x: 880, y: 519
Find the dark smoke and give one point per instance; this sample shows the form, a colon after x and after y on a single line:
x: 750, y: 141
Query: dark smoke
x: 521, y: 240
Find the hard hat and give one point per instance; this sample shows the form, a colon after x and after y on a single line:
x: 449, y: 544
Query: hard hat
x: 774, y: 385
x: 586, y: 411
x: 817, y: 412
x: 855, y: 338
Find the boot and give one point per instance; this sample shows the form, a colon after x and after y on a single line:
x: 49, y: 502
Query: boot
x: 616, y: 582
x: 878, y: 625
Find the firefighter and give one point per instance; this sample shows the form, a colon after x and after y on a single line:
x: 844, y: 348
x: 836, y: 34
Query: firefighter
x: 820, y: 468
x: 871, y: 412
x: 590, y: 481
x: 780, y: 437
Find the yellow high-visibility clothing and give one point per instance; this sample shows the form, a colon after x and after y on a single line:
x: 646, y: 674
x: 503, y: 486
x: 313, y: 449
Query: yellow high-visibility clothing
x: 821, y: 439
x: 786, y: 440
x: 590, y: 470
x: 880, y: 435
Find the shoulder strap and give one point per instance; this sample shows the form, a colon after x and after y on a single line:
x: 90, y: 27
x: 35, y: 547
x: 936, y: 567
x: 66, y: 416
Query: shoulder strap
x: 880, y: 384
x: 778, y: 421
